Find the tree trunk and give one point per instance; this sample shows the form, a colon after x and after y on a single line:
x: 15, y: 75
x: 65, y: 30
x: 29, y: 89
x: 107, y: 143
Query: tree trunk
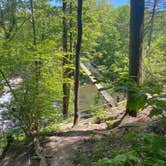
x: 152, y: 22
x: 37, y: 68
x: 66, y: 85
x: 77, y: 63
x: 71, y: 33
x: 33, y: 23
x: 38, y: 149
x: 136, y: 48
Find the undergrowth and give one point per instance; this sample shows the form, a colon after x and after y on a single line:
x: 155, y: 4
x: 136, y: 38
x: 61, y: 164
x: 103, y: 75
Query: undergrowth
x: 125, y: 148
x: 147, y: 149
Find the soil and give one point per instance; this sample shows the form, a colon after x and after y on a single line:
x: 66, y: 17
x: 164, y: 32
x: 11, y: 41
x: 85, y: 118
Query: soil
x: 60, y: 147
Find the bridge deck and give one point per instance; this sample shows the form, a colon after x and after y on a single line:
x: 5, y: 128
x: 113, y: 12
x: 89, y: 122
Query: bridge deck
x: 108, y: 98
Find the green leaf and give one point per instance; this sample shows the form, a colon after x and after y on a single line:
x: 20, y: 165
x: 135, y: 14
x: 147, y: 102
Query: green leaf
x: 155, y: 112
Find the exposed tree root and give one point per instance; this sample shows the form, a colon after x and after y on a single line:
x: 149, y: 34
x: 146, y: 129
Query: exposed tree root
x: 117, y: 123
x: 39, y: 152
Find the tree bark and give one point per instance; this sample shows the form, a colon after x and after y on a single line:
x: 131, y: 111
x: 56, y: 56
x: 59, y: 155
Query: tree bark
x: 136, y: 48
x: 66, y: 85
x: 152, y: 22
x: 77, y: 63
x: 33, y: 23
x: 38, y: 149
x: 71, y: 33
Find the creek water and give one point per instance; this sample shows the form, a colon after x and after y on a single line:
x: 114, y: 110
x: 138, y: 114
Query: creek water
x: 89, y: 99
x: 5, y: 124
x: 5, y: 99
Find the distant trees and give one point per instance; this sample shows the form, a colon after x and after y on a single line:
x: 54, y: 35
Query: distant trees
x: 8, y: 21
x: 113, y: 41
x: 136, y: 49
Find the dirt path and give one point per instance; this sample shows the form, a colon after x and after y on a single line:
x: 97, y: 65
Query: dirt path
x: 60, y: 147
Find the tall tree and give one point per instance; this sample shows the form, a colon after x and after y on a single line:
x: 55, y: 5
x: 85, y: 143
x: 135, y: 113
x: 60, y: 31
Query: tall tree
x: 152, y: 19
x: 77, y: 63
x: 71, y: 30
x: 37, y: 64
x: 136, y: 49
x: 66, y: 85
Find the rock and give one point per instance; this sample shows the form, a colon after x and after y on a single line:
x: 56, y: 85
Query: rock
x: 85, y: 116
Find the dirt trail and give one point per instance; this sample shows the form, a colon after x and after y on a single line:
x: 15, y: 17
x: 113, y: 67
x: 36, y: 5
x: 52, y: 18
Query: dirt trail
x: 59, y: 148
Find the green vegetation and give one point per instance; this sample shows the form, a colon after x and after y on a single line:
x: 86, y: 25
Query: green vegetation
x: 43, y: 86
x: 146, y: 149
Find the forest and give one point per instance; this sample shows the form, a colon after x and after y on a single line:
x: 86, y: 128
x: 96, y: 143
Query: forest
x: 82, y: 83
